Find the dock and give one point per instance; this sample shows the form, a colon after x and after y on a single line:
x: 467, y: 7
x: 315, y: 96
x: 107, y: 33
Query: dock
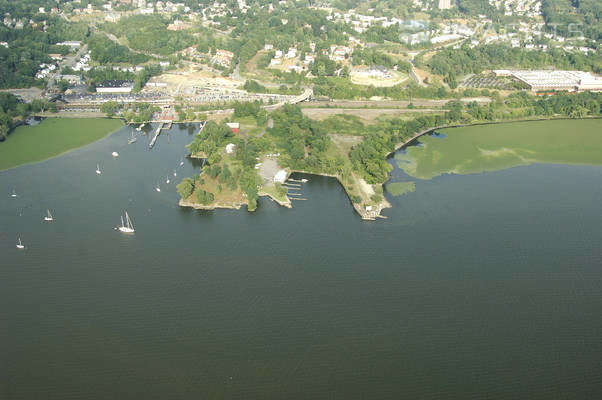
x: 157, y: 133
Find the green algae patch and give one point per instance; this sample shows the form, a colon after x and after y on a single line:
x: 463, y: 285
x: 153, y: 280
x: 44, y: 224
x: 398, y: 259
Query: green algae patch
x: 399, y: 188
x: 52, y: 137
x: 479, y: 148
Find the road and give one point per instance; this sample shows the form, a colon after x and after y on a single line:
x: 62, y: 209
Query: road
x: 68, y: 61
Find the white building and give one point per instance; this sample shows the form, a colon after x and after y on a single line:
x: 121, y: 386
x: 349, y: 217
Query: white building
x: 280, y: 176
x: 115, y: 86
x: 543, y: 80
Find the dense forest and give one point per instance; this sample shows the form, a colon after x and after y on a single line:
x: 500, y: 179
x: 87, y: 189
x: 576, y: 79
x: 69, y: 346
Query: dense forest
x: 572, y: 17
x: 497, y: 56
x: 106, y: 51
x: 149, y: 33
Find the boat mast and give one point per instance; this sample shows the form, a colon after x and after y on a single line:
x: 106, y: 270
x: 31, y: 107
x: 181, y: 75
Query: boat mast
x: 129, y: 221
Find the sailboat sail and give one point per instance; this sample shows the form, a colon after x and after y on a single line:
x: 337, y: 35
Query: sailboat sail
x: 128, y: 227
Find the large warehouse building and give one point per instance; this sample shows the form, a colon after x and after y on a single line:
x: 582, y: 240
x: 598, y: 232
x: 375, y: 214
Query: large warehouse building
x: 543, y: 80
x: 115, y: 86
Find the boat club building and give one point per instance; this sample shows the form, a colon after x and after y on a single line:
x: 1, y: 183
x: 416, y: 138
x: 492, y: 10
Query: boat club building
x: 115, y: 86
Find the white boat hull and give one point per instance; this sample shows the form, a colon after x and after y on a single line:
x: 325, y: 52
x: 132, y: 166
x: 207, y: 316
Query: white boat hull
x: 125, y: 229
x: 48, y: 219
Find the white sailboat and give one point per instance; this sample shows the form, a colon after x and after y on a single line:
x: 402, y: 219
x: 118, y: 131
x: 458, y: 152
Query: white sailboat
x: 13, y: 194
x: 157, y: 188
x: 115, y: 154
x: 167, y: 181
x: 128, y: 227
x: 98, y: 170
x: 181, y: 162
x: 174, y: 173
x: 48, y: 216
x: 20, y: 245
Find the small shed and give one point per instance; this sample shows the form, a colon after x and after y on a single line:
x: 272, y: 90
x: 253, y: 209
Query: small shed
x: 230, y: 148
x: 235, y: 126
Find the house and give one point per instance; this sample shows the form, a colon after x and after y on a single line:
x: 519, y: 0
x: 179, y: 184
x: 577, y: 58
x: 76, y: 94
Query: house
x: 235, y: 126
x: 268, y: 47
x: 292, y: 53
x: 230, y: 148
x: 72, y: 79
x: 74, y: 44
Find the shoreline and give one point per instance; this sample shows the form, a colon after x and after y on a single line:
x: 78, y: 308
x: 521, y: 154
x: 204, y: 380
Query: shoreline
x: 60, y: 154
x: 373, y: 214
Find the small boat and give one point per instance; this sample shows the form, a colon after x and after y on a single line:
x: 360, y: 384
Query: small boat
x: 304, y: 180
x: 132, y: 139
x: 158, y: 189
x: 126, y: 227
x: 48, y: 216
x: 20, y: 245
x: 167, y: 181
x: 181, y: 162
x: 115, y: 154
x: 174, y: 173
x: 98, y: 170
x: 13, y: 194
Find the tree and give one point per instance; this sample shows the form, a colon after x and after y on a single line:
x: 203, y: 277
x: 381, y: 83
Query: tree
x: 185, y: 188
x: 63, y: 85
x: 109, y: 108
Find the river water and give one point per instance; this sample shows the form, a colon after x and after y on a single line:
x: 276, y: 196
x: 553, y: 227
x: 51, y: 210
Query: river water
x: 479, y: 286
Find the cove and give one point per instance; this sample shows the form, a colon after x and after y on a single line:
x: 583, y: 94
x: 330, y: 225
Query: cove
x: 479, y: 148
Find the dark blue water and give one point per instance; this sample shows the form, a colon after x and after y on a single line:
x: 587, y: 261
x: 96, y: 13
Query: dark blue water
x: 478, y: 286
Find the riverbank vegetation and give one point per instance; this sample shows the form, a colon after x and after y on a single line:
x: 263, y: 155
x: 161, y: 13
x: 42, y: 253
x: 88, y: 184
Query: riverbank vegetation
x: 52, y: 137
x: 342, y: 146
x: 13, y: 111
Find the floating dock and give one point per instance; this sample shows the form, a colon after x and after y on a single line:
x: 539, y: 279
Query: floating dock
x: 157, y: 133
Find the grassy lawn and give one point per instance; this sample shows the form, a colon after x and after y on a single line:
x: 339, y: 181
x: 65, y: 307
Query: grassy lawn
x: 475, y: 149
x: 272, y: 190
x: 52, y: 137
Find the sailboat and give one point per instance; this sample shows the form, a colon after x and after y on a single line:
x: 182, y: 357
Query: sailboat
x: 48, y: 216
x: 13, y: 194
x: 98, y: 170
x: 128, y: 227
x: 174, y: 173
x: 181, y: 162
x: 20, y: 245
x: 167, y: 181
x: 132, y: 139
x: 158, y: 189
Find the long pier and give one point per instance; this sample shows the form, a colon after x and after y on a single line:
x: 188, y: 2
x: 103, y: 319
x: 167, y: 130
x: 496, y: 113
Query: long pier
x: 157, y: 133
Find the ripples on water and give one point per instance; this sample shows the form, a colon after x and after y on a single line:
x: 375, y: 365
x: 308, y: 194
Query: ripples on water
x: 478, y: 286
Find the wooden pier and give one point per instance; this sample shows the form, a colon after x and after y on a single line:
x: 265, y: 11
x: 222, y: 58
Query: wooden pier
x: 157, y: 133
